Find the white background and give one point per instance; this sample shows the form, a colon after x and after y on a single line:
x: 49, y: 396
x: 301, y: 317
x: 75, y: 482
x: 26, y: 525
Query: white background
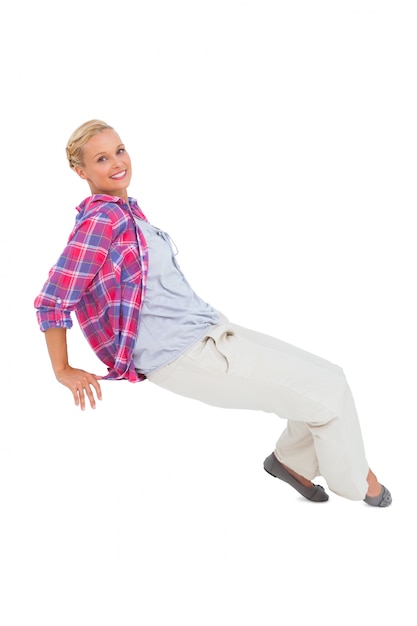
x: 276, y: 143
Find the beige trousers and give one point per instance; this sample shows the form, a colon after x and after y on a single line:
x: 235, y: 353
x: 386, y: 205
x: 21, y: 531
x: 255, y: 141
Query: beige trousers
x: 234, y: 367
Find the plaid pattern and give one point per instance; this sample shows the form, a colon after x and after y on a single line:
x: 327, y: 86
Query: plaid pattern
x: 101, y: 275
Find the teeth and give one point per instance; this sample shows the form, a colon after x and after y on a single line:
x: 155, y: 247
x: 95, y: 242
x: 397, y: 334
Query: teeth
x: 120, y: 175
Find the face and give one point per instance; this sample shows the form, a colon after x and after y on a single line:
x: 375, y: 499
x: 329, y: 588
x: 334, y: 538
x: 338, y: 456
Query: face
x: 107, y: 167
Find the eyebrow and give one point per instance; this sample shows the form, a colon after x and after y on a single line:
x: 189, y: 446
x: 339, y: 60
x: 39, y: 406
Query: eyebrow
x: 121, y: 145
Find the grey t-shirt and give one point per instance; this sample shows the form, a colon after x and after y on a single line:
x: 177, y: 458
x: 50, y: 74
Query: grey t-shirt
x: 173, y: 317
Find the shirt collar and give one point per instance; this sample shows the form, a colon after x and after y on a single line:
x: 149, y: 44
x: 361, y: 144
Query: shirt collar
x: 97, y: 198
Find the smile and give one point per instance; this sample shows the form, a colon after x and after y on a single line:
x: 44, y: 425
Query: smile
x: 119, y: 175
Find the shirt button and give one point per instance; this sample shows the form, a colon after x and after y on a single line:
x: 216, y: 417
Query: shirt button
x: 58, y: 324
x: 58, y: 300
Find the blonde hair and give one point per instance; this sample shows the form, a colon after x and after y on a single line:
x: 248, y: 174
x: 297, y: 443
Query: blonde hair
x: 79, y: 138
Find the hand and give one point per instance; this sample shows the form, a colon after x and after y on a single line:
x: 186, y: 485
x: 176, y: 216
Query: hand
x: 81, y: 384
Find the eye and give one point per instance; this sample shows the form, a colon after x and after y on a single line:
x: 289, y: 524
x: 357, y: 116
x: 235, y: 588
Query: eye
x: 121, y: 151
x: 100, y: 159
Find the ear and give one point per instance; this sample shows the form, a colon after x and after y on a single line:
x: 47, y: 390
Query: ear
x: 80, y: 172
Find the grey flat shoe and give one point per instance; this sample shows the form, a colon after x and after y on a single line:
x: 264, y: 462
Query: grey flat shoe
x: 384, y: 498
x: 276, y: 469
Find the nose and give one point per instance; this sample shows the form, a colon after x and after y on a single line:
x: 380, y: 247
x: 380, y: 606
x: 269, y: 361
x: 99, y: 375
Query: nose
x: 118, y: 161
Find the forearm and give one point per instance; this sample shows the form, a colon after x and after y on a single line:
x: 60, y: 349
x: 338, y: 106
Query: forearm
x: 56, y: 341
x: 81, y: 383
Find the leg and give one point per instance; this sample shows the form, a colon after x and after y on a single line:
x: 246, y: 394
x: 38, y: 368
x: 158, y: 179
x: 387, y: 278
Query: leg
x: 234, y: 367
x: 339, y: 462
x: 295, y: 448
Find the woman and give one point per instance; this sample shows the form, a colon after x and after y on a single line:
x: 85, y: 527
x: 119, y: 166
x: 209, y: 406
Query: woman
x: 143, y: 320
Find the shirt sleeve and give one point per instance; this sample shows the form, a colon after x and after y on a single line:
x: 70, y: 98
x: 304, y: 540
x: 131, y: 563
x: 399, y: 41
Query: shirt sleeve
x: 70, y: 277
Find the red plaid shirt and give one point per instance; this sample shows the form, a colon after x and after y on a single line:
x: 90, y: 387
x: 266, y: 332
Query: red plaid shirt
x: 101, y: 275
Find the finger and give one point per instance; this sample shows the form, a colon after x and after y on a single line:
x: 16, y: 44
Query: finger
x: 97, y: 387
x: 90, y: 396
x: 81, y: 397
x: 77, y: 389
x: 83, y: 389
x: 76, y: 397
x: 91, y: 380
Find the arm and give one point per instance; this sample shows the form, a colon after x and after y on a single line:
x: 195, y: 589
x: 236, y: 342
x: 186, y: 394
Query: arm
x: 68, y: 280
x: 73, y: 272
x: 79, y: 382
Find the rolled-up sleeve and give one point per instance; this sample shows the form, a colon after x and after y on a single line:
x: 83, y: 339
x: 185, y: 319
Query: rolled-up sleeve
x: 71, y: 276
